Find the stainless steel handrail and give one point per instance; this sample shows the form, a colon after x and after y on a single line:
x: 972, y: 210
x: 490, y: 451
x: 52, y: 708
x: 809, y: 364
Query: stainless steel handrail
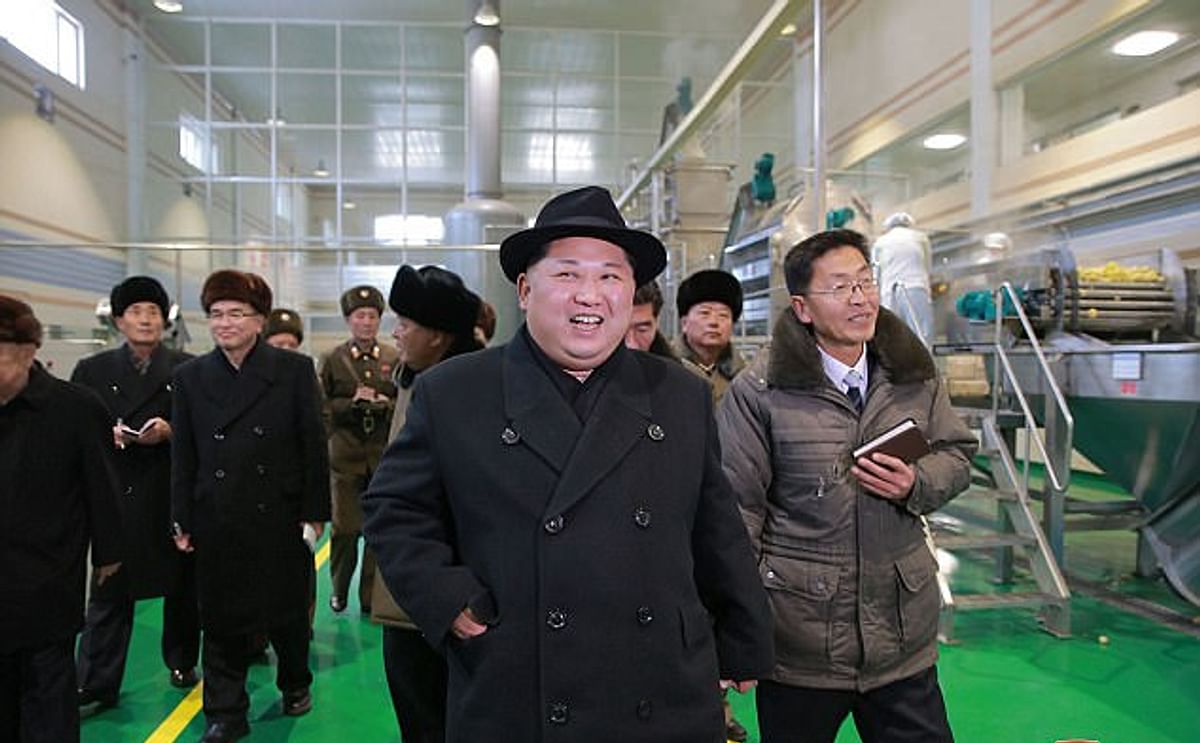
x: 1057, y: 480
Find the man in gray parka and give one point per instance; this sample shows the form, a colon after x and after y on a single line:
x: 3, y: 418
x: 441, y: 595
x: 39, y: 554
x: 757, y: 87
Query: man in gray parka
x: 840, y: 543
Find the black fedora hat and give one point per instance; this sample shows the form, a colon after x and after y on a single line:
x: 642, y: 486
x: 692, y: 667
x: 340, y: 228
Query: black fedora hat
x: 584, y: 212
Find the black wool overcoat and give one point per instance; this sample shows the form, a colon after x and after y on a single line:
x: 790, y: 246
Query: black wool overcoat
x: 607, y: 557
x: 152, y: 566
x: 249, y: 465
x: 58, y: 496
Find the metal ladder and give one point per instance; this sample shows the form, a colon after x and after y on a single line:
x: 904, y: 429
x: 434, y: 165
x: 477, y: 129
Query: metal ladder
x: 1016, y: 527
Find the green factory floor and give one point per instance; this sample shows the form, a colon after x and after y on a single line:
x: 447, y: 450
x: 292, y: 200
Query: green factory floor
x: 1005, y: 681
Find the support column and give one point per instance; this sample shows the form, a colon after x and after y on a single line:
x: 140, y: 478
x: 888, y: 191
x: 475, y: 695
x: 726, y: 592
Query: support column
x: 135, y: 147
x: 818, y: 114
x: 983, y: 109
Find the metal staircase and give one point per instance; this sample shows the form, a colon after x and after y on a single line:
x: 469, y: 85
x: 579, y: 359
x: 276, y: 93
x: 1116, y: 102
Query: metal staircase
x: 1015, y: 527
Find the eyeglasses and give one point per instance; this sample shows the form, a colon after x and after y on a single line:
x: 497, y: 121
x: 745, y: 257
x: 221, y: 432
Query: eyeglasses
x: 846, y: 289
x: 234, y: 315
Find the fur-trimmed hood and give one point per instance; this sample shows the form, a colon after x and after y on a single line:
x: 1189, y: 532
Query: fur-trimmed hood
x: 796, y: 362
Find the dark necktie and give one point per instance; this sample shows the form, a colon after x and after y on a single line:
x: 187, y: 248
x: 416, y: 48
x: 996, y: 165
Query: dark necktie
x: 852, y: 391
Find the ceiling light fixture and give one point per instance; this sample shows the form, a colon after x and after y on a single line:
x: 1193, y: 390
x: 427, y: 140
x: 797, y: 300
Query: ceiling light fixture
x: 944, y: 141
x: 277, y: 119
x: 348, y: 205
x: 1144, y: 43
x: 320, y: 170
x: 169, y: 6
x: 788, y: 30
x: 487, y: 14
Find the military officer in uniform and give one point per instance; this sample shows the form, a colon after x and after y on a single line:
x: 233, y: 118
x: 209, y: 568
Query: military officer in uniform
x: 360, y: 394
x: 134, y: 381
x: 249, y: 468
x: 554, y: 518
x: 285, y: 329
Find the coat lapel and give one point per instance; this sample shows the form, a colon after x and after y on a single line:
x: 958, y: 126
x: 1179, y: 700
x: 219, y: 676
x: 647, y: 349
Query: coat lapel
x: 252, y: 381
x: 618, y: 421
x: 536, y: 411
x: 137, y: 390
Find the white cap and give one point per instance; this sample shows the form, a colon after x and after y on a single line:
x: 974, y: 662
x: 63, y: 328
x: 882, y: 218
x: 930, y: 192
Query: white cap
x: 997, y: 241
x: 899, y: 219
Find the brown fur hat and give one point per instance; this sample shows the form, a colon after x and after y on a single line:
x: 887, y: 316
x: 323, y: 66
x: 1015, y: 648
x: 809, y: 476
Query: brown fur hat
x: 236, y: 286
x: 18, y: 323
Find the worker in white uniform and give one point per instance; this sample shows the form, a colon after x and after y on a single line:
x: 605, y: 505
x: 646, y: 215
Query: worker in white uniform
x: 902, y: 255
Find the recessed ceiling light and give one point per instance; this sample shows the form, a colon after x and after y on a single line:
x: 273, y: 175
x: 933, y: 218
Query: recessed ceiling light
x: 1144, y: 43
x: 788, y: 30
x: 943, y: 141
x: 169, y: 6
x: 349, y: 205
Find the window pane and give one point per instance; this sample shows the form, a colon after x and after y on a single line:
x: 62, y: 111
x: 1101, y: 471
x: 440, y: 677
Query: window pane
x: 372, y: 99
x: 371, y: 48
x: 306, y: 46
x: 241, y: 45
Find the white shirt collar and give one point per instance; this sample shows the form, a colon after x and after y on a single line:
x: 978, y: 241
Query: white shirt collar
x: 837, y: 371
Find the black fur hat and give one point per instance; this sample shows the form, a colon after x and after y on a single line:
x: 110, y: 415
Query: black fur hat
x: 710, y: 285
x: 138, y: 289
x: 435, y: 298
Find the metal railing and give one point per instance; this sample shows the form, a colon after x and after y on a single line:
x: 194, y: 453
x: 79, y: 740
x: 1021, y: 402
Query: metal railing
x: 1058, y: 471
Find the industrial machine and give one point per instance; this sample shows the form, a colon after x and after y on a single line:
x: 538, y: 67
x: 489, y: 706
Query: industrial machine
x: 1117, y: 343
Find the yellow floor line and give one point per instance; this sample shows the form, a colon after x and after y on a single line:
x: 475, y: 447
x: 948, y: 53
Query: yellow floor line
x: 191, y: 705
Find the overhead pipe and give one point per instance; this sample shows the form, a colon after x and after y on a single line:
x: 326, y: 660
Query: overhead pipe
x: 766, y: 32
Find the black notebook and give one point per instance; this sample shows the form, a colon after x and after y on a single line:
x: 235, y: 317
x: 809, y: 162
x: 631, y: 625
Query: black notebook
x: 903, y: 441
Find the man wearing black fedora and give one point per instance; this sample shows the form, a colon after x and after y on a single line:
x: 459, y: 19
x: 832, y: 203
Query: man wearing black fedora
x: 554, y: 517
x: 134, y: 381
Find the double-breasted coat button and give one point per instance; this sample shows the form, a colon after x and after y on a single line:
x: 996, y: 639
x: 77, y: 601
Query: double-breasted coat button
x: 509, y: 436
x: 219, y: 474
x: 559, y: 713
x: 218, y: 435
x: 641, y: 517
x: 262, y: 507
x: 645, y: 615
x: 260, y: 469
x: 656, y: 432
x: 128, y: 490
x: 259, y: 431
x: 556, y: 619
x: 554, y: 525
x: 644, y: 709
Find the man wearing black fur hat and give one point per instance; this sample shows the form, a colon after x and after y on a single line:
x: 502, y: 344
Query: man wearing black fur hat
x: 709, y: 303
x: 436, y: 317
x: 134, y: 381
x: 841, y: 542
x: 553, y: 515
x: 59, y: 497
x: 356, y: 378
x: 249, y: 469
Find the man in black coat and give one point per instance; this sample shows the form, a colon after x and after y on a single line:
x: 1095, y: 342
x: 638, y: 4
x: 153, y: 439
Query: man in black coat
x: 134, y: 381
x: 249, y: 470
x: 58, y: 497
x: 554, y: 517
